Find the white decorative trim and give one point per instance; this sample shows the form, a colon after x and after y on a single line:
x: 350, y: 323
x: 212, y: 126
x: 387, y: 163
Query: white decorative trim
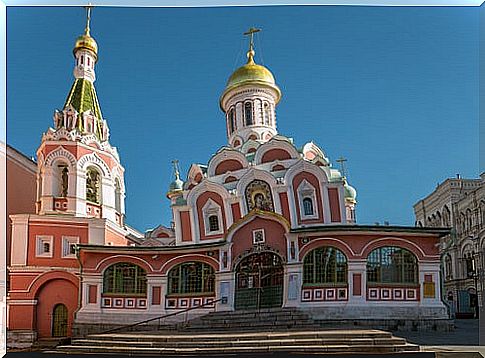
x: 209, y: 209
x: 94, y: 159
x: 275, y: 143
x: 60, y: 153
x: 258, y: 237
x: 307, y: 191
x: 223, y: 155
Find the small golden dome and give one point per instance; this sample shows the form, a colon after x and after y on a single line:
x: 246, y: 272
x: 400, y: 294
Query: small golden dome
x: 252, y: 74
x: 87, y: 42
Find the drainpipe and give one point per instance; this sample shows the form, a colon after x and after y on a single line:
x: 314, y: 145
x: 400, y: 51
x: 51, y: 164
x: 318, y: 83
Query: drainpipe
x: 79, y: 295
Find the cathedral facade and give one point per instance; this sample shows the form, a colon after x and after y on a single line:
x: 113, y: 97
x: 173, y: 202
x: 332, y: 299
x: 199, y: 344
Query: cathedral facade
x: 264, y: 223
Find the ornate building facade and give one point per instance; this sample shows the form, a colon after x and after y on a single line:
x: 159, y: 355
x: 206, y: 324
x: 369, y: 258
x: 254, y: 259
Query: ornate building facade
x: 459, y: 204
x: 264, y: 223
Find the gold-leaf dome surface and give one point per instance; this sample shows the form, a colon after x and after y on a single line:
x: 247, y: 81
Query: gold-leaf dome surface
x: 87, y: 42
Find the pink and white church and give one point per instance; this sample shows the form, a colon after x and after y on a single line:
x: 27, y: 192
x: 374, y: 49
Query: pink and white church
x: 264, y: 223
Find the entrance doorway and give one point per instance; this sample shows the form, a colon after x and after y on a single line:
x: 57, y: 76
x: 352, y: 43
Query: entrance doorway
x: 259, y: 281
x: 59, y: 321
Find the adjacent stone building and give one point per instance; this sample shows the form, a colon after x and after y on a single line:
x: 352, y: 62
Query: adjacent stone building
x: 459, y: 204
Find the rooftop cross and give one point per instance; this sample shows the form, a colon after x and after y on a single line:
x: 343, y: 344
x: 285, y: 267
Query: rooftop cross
x: 251, y: 33
x: 88, y: 17
x: 176, y: 168
x: 342, y: 161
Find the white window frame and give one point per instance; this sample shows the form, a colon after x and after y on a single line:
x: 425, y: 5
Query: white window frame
x: 67, y: 241
x: 212, y: 208
x: 306, y: 190
x: 255, y: 240
x: 40, y: 241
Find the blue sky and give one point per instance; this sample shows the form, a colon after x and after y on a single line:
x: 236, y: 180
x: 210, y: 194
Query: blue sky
x: 394, y: 90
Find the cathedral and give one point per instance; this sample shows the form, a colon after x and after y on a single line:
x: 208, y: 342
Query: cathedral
x: 264, y: 223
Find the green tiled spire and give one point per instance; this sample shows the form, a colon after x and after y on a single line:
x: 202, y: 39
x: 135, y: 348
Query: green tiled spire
x: 82, y: 97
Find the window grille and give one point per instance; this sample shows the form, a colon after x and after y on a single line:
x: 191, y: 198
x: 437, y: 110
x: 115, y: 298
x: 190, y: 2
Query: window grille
x: 191, y: 277
x: 248, y: 113
x: 213, y: 223
x: 92, y: 185
x: 232, y: 125
x: 307, y: 206
x: 325, y: 265
x: 125, y: 278
x: 392, y: 264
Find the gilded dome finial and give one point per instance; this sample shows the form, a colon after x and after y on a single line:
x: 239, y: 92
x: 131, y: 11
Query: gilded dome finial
x: 251, y: 52
x: 85, y: 40
x: 88, y: 18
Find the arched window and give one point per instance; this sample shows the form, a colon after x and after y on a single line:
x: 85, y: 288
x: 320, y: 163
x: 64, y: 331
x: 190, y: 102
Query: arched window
x: 248, y: 113
x: 308, y: 206
x: 191, y: 277
x: 446, y: 216
x: 93, y: 186
x: 232, y: 123
x: 117, y: 195
x: 448, y: 267
x: 266, y: 113
x: 391, y: 264
x: 213, y: 223
x: 125, y: 278
x: 324, y: 265
x: 61, y: 180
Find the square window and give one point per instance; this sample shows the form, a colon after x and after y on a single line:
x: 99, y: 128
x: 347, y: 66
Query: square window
x: 107, y: 302
x: 118, y: 302
x: 258, y: 236
x: 307, y: 295
x: 44, y: 246
x: 130, y: 302
x: 142, y: 302
x: 184, y: 303
x: 69, y: 246
x: 196, y: 302
x: 171, y: 303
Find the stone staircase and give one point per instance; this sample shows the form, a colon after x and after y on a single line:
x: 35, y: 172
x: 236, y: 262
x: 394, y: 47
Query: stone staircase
x: 268, y: 319
x: 266, y: 331
x: 139, y: 343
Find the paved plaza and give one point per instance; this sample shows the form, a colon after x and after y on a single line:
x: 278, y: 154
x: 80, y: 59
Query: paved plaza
x: 465, y: 334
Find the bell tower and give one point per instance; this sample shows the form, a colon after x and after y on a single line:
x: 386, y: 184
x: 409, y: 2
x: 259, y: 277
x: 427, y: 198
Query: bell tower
x: 79, y: 172
x: 249, y: 101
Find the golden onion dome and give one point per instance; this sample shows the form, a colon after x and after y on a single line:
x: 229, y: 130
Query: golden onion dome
x: 252, y: 74
x: 85, y: 41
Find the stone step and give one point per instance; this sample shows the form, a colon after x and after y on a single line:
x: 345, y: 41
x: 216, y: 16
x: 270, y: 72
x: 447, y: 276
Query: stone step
x: 188, y: 336
x: 245, y: 342
x: 241, y: 349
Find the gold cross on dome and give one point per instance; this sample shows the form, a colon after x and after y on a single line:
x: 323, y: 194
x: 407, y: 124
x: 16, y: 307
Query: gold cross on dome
x: 251, y: 33
x: 88, y: 16
x: 342, y: 161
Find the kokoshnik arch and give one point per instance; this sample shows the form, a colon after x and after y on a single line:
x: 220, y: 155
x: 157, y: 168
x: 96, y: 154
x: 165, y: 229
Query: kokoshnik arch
x: 264, y: 223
